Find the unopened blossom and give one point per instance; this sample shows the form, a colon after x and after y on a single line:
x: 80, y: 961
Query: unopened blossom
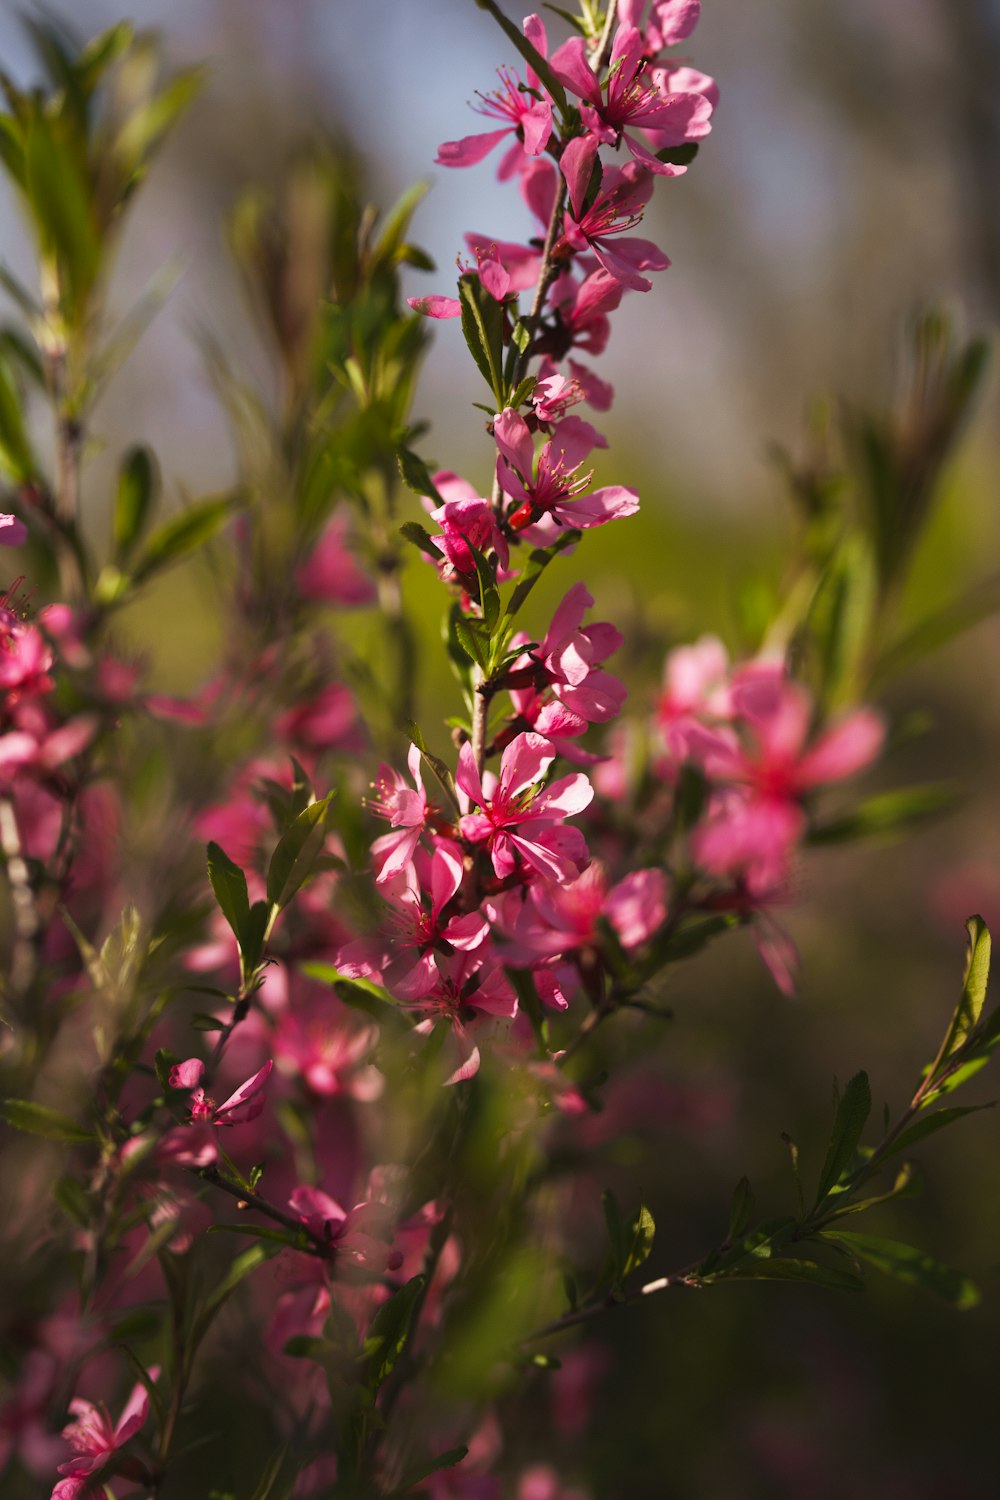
x: 95, y: 1439
x: 552, y: 487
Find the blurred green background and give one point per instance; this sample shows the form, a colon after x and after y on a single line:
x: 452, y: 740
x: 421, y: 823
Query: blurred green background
x: 854, y: 170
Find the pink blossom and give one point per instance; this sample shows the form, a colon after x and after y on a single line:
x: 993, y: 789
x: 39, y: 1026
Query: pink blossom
x: 471, y: 993
x: 331, y: 572
x: 552, y: 487
x: 559, y: 919
x: 516, y: 802
x: 633, y: 100
x: 529, y: 119
x: 466, y: 520
x: 670, y: 21
x: 407, y: 812
x: 242, y: 1106
x: 326, y: 721
x: 13, y: 533
x: 361, y: 1236
x: 95, y: 1439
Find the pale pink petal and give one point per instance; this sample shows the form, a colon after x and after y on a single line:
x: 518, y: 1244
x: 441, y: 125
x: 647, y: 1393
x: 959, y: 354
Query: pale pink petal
x: 637, y: 906
x: 467, y: 777
x: 843, y: 750
x: 436, y: 307
x: 13, y: 533
x: 187, y: 1075
x: 525, y: 761
x: 470, y: 149
x: 577, y: 166
x: 568, y: 796
x: 569, y: 64
x: 513, y: 438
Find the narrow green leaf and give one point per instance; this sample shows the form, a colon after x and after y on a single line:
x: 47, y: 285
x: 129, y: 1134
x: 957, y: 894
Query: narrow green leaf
x: 16, y: 457
x: 617, y: 1240
x: 270, y: 1475
x: 889, y: 812
x: 421, y: 537
x: 202, y: 1022
x: 911, y: 1265
x: 389, y: 1331
x: 679, y: 156
x: 469, y: 638
x: 146, y: 127
x: 238, y: 1271
x: 417, y: 476
x: 39, y: 1119
x: 974, y: 982
x: 779, y: 1268
x: 137, y: 485
x: 639, y: 1239
x: 423, y: 1471
x: 72, y: 1198
x: 60, y: 201
x: 741, y: 1209
x: 538, y: 561
x: 297, y: 851
x: 482, y: 325
x: 230, y: 886
x: 180, y: 536
x: 852, y: 1116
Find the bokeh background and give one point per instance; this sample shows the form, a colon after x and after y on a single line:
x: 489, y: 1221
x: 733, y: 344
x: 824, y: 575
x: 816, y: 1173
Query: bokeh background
x: 854, y: 172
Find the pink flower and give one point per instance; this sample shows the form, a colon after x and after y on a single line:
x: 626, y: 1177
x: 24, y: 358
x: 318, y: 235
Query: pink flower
x: 361, y: 1236
x: 553, y: 487
x: 670, y: 21
x: 242, y: 1106
x: 331, y: 572
x: 633, y: 100
x: 94, y: 1438
x: 407, y: 812
x: 13, y: 533
x: 516, y: 802
x: 529, y: 119
x: 560, y: 919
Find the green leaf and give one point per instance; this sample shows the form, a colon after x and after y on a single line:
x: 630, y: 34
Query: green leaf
x: 230, y: 886
x: 389, y: 1331
x: 421, y: 537
x: 779, y: 1268
x: 270, y: 1475
x: 423, y: 1471
x: 60, y: 200
x: 852, y: 1116
x: 911, y: 1265
x: 974, y: 982
x: 417, y: 476
x: 533, y: 58
x: 202, y: 1022
x: 639, y: 1239
x: 73, y: 1199
x: 527, y: 385
x: 16, y: 457
x: 39, y: 1119
x: 181, y: 535
x: 261, y: 1232
x: 930, y: 1125
x: 889, y: 812
x: 678, y: 156
x: 146, y: 127
x: 617, y: 1239
x: 297, y: 851
x: 469, y: 637
x: 137, y: 486
x: 482, y: 325
x: 489, y: 594
x: 538, y: 561
x: 238, y: 1271
x: 741, y: 1209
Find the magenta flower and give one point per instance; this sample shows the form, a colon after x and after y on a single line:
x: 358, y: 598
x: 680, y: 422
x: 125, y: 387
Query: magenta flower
x: 517, y: 802
x: 331, y: 572
x: 96, y: 1440
x: 242, y: 1106
x: 13, y: 533
x: 529, y: 119
x: 407, y: 812
x: 670, y: 21
x: 464, y: 518
x: 470, y: 991
x: 616, y: 211
x: 634, y: 100
x: 553, y: 487
x: 556, y: 920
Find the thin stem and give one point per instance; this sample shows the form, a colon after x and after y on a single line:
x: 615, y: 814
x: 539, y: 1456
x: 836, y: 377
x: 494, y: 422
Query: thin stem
x: 480, y: 715
x: 250, y: 1199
